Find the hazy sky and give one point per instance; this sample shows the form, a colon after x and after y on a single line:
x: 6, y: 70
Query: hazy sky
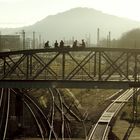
x: 15, y: 13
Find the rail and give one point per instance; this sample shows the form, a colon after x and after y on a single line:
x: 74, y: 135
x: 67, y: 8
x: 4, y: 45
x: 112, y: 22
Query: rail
x: 101, y: 129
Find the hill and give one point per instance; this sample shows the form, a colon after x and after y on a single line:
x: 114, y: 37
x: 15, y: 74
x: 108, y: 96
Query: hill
x: 79, y: 23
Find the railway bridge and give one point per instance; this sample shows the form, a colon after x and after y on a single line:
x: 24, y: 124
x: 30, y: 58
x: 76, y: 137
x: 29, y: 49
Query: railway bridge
x: 52, y: 68
x: 71, y: 67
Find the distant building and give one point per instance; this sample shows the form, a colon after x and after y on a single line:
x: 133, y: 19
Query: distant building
x: 10, y: 42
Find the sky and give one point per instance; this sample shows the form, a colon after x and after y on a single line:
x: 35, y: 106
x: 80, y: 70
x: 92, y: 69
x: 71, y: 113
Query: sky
x: 17, y: 13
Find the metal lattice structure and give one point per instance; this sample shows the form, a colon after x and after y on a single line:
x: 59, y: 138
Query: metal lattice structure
x: 94, y: 65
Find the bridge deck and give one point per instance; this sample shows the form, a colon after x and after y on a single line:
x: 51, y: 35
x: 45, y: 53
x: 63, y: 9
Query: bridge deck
x: 96, y: 49
x: 67, y: 84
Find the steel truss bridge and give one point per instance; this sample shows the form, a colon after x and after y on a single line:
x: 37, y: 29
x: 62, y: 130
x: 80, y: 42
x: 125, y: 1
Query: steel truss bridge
x: 114, y: 68
x: 71, y: 67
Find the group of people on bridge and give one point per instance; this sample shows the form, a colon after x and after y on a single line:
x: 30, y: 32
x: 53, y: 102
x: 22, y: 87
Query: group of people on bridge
x: 61, y: 44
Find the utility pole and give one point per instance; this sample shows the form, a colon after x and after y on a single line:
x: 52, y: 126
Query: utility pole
x: 23, y: 38
x: 109, y: 39
x: 98, y: 36
x: 33, y: 40
x: 39, y: 41
x: 0, y: 41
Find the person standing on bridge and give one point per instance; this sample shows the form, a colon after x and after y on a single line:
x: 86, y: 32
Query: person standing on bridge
x: 75, y: 44
x: 83, y: 45
x: 47, y: 45
x: 61, y: 44
x: 56, y: 44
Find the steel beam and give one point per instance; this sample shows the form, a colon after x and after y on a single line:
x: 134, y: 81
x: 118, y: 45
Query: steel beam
x: 67, y: 84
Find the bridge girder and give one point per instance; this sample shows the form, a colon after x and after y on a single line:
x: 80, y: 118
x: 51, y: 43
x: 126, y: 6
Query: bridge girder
x: 100, y: 66
x: 68, y: 84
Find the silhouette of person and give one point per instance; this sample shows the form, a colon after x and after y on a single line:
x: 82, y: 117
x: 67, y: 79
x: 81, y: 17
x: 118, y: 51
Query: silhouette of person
x: 56, y: 44
x: 61, y: 44
x: 47, y: 44
x: 74, y: 44
x: 83, y: 45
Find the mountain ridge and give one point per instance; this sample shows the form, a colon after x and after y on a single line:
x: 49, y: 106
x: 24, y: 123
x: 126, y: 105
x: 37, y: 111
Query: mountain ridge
x: 78, y: 23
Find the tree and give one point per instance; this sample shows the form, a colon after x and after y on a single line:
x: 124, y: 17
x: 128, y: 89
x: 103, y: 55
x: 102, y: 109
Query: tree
x: 130, y: 39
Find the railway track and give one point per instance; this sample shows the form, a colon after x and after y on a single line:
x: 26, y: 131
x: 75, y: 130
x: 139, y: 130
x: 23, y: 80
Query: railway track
x: 46, y: 124
x: 4, y: 111
x: 45, y: 121
x: 35, y: 110
x: 41, y: 119
x: 101, y: 129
